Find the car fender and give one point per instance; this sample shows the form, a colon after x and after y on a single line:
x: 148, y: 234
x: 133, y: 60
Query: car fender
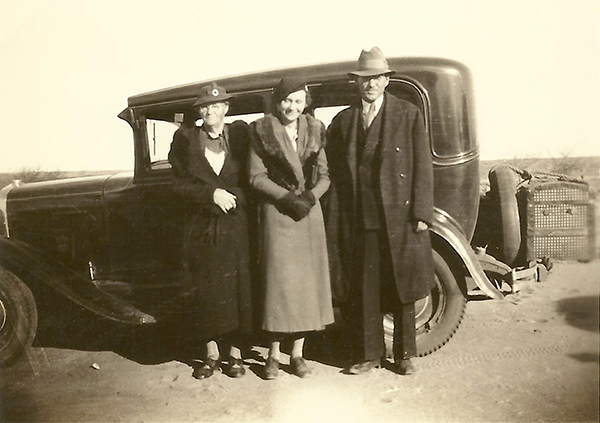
x: 446, y: 227
x: 31, y: 265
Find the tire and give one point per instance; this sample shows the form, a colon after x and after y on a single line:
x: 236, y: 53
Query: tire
x: 18, y: 317
x: 503, y: 185
x: 437, y: 316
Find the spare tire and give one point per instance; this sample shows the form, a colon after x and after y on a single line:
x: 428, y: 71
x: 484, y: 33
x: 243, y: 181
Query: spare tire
x: 18, y: 317
x: 503, y: 188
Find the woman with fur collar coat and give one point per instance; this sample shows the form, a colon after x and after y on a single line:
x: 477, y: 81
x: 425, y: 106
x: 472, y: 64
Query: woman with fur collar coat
x: 288, y: 169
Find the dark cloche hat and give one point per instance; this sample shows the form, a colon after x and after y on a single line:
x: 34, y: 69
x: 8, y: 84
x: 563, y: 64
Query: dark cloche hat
x: 287, y: 86
x: 371, y: 63
x: 212, y: 94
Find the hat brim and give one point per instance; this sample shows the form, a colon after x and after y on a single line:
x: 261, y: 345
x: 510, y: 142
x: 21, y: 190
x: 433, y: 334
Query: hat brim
x: 211, y: 99
x: 372, y: 72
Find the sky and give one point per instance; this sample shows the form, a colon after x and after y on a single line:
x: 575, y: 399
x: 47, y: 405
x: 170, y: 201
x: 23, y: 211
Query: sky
x: 67, y: 67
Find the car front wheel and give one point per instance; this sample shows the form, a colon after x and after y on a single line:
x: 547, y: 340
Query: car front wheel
x: 18, y: 317
x: 437, y: 316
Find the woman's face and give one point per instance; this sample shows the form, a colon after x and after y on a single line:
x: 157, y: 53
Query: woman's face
x: 291, y: 107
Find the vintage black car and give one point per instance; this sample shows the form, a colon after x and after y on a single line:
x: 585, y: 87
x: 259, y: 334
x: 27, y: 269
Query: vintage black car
x: 112, y: 244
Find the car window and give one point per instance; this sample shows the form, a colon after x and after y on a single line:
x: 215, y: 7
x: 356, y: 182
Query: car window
x: 326, y: 114
x: 160, y: 135
x: 330, y: 99
x: 161, y: 122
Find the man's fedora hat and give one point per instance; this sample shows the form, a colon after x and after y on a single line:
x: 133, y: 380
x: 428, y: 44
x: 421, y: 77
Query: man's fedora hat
x: 212, y: 94
x: 371, y: 63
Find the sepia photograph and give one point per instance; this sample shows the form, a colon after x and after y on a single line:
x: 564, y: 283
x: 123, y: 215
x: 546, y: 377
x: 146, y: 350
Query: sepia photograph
x: 266, y: 211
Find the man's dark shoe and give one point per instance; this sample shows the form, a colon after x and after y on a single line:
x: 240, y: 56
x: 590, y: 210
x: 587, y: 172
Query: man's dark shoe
x: 271, y: 368
x: 235, y: 368
x: 404, y: 367
x: 299, y: 367
x: 206, y: 369
x: 364, y: 367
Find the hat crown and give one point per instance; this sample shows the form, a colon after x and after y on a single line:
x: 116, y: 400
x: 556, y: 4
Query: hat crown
x: 288, y: 85
x: 371, y: 62
x: 211, y: 93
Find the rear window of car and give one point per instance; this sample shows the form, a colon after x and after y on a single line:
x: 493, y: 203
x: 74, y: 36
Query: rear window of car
x: 330, y: 99
x: 161, y: 122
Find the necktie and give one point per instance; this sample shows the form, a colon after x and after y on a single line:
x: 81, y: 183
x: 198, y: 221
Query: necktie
x: 369, y: 116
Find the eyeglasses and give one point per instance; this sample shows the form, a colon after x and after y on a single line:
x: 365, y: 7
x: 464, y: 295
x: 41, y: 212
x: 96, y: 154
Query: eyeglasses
x: 376, y: 78
x: 212, y: 106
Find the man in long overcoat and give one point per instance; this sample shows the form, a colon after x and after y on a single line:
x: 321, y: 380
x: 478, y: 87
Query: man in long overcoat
x: 379, y: 212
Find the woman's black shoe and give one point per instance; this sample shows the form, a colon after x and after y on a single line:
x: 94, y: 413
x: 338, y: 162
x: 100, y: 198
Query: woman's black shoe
x: 235, y: 368
x: 271, y: 368
x: 207, y: 369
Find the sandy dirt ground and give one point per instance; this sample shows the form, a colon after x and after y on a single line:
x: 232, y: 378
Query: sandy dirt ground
x: 532, y: 357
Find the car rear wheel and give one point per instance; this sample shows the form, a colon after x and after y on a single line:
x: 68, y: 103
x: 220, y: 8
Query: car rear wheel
x: 437, y: 316
x: 18, y: 317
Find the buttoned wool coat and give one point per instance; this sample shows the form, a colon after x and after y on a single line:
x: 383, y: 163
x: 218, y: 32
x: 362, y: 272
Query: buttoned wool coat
x: 405, y: 183
x: 293, y: 254
x: 216, y: 243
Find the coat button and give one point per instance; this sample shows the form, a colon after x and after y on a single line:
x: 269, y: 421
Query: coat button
x: 398, y: 149
x: 407, y: 202
x: 402, y: 175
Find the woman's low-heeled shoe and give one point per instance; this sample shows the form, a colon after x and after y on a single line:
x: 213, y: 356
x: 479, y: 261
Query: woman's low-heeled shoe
x: 299, y: 367
x: 235, y: 368
x: 206, y: 370
x: 271, y: 368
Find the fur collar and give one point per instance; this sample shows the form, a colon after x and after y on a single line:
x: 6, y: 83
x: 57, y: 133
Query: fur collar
x: 271, y: 133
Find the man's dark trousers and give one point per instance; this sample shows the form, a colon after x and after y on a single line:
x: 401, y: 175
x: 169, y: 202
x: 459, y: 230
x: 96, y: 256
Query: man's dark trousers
x: 373, y: 290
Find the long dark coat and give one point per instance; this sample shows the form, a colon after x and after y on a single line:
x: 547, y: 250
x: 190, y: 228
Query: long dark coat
x: 216, y: 242
x: 293, y: 254
x: 406, y: 193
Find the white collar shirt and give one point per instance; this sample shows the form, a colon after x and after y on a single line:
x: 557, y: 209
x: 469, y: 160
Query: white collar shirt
x: 378, y: 103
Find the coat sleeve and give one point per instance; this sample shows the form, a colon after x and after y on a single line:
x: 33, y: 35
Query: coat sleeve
x: 323, y: 182
x: 183, y: 183
x: 258, y: 174
x: 422, y: 188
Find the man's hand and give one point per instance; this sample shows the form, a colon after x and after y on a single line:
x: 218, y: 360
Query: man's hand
x: 224, y: 199
x: 420, y: 226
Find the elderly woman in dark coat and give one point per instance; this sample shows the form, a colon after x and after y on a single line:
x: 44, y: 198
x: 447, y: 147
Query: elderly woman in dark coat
x: 288, y: 169
x: 208, y: 164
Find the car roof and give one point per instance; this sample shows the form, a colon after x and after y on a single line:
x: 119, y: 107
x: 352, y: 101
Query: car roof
x: 419, y: 69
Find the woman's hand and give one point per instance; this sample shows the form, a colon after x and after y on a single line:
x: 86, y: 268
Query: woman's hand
x: 224, y: 199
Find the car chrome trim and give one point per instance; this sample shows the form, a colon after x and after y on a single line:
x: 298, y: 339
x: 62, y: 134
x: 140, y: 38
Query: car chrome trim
x: 2, y: 315
x: 456, y: 160
x: 446, y: 227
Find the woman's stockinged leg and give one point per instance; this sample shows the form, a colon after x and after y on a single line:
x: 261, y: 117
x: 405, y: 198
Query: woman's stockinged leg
x: 298, y: 347
x: 275, y: 349
x: 272, y: 363
x: 297, y: 362
x: 212, y: 350
x: 235, y: 363
x: 211, y: 362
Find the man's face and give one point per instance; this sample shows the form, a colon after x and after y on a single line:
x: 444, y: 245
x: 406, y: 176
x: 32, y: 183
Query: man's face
x: 372, y: 87
x: 213, y: 114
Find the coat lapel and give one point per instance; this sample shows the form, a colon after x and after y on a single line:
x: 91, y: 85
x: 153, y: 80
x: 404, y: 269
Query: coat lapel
x: 351, y: 136
x: 391, y: 122
x: 207, y: 174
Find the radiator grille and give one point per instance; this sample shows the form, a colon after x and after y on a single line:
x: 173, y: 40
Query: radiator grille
x: 559, y: 222
x: 567, y: 216
x: 561, y: 247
